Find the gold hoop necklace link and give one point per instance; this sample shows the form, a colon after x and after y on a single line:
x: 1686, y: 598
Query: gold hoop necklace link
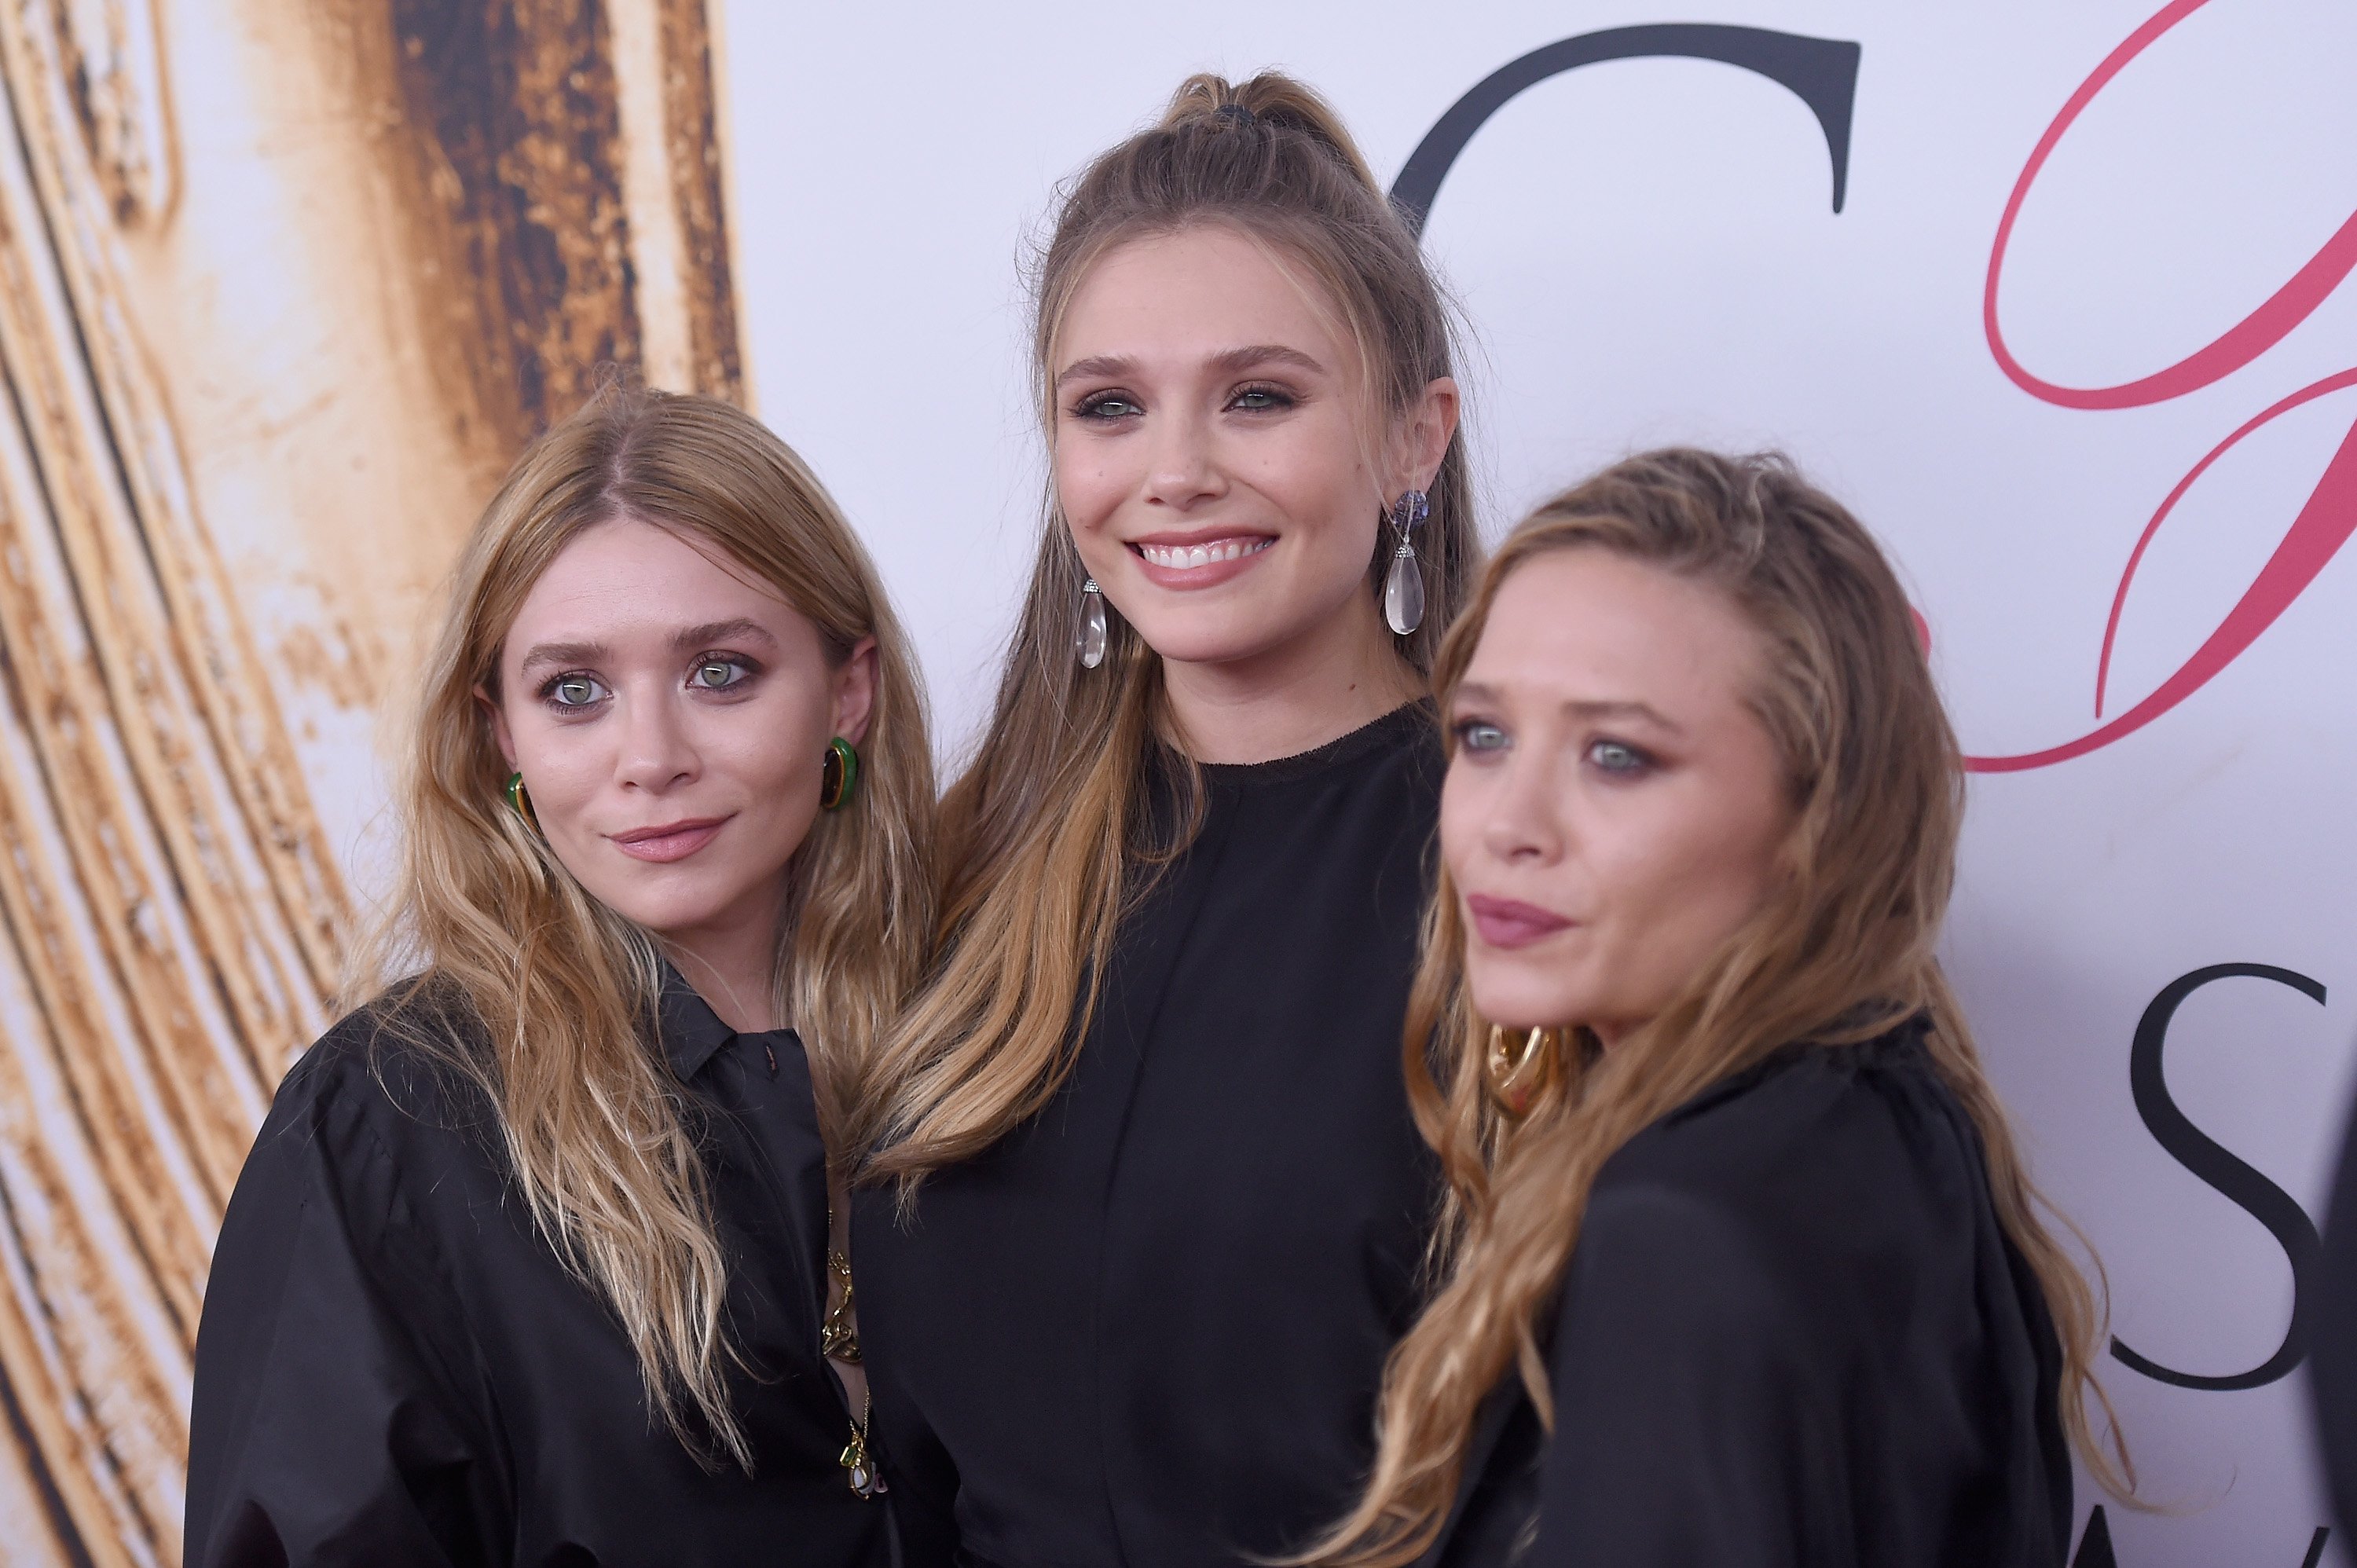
x: 1519, y: 1078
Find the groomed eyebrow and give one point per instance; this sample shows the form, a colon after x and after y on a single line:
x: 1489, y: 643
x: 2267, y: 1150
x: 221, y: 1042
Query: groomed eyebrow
x: 1232, y: 362
x: 1587, y: 709
x: 695, y: 639
x: 687, y: 639
x: 546, y: 654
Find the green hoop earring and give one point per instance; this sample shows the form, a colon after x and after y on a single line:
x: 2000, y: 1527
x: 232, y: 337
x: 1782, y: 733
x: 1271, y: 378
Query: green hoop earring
x: 838, y: 774
x: 520, y: 802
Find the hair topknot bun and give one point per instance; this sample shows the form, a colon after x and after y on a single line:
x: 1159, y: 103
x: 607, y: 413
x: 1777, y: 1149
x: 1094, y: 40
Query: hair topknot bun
x: 1268, y: 103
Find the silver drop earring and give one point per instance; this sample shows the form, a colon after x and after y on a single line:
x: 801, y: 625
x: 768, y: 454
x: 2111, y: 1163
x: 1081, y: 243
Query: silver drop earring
x: 1404, y: 588
x: 1089, y: 642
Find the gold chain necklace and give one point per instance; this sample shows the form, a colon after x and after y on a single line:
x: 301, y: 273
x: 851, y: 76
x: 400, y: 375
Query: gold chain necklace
x: 838, y: 1335
x: 838, y: 1340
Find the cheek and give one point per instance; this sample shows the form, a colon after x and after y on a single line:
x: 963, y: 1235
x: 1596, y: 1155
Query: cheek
x: 1090, y: 482
x: 563, y: 763
x: 773, y: 749
x: 1325, y: 491
x: 1693, y: 879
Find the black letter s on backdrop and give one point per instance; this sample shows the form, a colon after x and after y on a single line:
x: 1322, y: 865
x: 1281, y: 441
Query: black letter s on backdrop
x: 2207, y: 1158
x: 1821, y: 72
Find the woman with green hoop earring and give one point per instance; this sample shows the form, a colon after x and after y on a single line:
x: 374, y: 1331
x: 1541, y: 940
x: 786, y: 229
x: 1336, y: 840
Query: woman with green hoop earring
x: 533, y: 1259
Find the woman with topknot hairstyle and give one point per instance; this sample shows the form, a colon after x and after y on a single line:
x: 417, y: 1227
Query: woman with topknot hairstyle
x: 1146, y: 1206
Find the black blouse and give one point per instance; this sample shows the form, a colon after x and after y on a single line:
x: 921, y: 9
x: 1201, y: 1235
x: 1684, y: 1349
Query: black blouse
x: 1148, y: 1328
x: 395, y: 1367
x: 1791, y: 1335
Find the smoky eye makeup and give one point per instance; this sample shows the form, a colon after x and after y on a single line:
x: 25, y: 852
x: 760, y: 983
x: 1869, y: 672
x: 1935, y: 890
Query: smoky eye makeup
x: 1619, y: 759
x: 722, y: 674
x: 1106, y: 406
x: 1479, y: 735
x: 1263, y: 397
x: 572, y: 692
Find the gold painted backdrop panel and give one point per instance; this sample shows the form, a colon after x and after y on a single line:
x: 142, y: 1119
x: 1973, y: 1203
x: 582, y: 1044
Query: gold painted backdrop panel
x: 284, y: 286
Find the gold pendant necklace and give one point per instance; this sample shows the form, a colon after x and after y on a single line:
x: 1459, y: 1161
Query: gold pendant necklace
x: 866, y: 1480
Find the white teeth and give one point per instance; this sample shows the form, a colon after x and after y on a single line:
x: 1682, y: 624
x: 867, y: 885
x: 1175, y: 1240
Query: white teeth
x: 1182, y: 557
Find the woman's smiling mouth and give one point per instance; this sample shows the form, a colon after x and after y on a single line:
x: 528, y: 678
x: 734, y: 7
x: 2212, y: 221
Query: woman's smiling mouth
x: 1178, y: 561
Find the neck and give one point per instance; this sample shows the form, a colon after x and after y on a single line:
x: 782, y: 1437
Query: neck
x: 1288, y: 700
x: 733, y: 966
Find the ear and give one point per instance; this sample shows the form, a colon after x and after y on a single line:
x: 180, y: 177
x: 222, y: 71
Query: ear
x: 854, y: 692
x: 499, y: 718
x: 1425, y: 435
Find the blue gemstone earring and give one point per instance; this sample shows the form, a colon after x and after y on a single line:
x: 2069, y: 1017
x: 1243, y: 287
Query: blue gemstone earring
x: 1404, y: 590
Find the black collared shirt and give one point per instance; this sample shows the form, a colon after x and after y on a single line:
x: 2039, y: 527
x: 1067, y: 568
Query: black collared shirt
x: 1148, y: 1327
x: 394, y: 1367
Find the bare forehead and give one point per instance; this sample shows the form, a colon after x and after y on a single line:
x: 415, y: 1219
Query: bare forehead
x: 1592, y: 626
x: 1198, y: 291
x: 625, y: 573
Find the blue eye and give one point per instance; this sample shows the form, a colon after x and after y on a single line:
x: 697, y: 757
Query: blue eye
x: 573, y: 690
x: 1619, y: 759
x: 718, y: 674
x: 1480, y: 735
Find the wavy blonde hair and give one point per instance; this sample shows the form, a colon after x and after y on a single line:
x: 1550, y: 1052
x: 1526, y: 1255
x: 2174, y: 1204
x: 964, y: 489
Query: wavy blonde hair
x: 1041, y: 832
x: 1841, y: 953
x: 546, y: 998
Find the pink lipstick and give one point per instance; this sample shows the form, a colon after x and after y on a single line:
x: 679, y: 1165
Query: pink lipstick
x: 1510, y: 922
x: 1197, y: 560
x: 670, y: 842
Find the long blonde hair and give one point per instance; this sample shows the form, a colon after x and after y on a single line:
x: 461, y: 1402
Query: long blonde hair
x: 1041, y: 832
x: 546, y: 998
x: 1842, y: 953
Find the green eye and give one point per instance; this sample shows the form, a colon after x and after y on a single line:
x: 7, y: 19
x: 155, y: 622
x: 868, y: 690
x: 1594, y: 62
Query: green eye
x: 714, y: 674
x: 1612, y: 757
x: 574, y: 692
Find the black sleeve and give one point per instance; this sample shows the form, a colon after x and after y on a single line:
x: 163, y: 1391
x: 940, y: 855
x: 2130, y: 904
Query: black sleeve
x: 323, y: 1432
x: 1695, y: 1425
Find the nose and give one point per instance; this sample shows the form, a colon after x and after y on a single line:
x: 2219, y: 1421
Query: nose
x: 1525, y: 823
x: 1183, y: 468
x: 656, y: 752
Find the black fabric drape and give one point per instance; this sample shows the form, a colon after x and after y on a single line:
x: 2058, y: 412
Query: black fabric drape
x: 395, y: 1367
x: 1148, y: 1327
x: 1791, y: 1335
x: 2333, y: 1369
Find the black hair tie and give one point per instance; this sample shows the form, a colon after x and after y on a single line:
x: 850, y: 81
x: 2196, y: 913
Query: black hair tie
x: 1236, y: 114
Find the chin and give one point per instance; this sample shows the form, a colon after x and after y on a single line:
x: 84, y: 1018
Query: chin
x: 666, y: 910
x: 1524, y: 1001
x: 1204, y: 639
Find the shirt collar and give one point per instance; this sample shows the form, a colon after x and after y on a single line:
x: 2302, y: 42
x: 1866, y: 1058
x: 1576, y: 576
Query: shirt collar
x: 691, y: 1032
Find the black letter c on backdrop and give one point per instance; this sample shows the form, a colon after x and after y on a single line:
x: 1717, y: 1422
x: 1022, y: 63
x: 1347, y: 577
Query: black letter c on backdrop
x: 2207, y: 1158
x: 1821, y: 72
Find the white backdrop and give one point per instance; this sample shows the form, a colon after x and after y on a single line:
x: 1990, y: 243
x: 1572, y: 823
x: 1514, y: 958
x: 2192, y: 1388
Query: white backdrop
x: 1646, y: 252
